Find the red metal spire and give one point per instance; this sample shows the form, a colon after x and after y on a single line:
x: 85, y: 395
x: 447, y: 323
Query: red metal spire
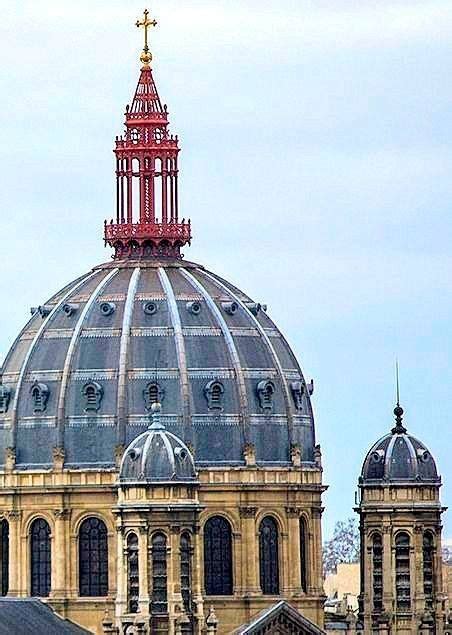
x: 147, y: 211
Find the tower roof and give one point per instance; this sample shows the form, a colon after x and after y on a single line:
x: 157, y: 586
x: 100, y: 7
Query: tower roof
x: 157, y: 456
x: 399, y: 457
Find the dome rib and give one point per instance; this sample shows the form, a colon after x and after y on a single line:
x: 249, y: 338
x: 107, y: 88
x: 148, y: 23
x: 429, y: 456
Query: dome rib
x: 123, y: 357
x: 36, y: 339
x: 271, y: 350
x: 231, y: 348
x: 180, y: 351
x: 70, y: 353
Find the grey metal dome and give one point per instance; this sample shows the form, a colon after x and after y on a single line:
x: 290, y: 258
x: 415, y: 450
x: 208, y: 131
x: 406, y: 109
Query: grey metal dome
x: 157, y: 456
x: 398, y: 456
x: 84, y: 372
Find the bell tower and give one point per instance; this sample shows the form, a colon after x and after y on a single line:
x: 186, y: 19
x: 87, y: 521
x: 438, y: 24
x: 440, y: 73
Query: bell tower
x: 400, y: 524
x: 147, y: 209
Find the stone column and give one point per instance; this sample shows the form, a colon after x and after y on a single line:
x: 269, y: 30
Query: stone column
x: 197, y: 582
x: 121, y: 568
x: 249, y: 584
x: 417, y: 559
x: 175, y: 603
x: 316, y: 568
x: 16, y: 562
x: 294, y: 570
x: 60, y: 554
x: 143, y: 569
x: 388, y: 569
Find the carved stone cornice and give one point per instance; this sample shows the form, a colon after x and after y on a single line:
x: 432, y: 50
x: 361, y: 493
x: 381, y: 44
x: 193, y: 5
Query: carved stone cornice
x: 247, y: 512
x: 62, y: 514
x: 14, y: 514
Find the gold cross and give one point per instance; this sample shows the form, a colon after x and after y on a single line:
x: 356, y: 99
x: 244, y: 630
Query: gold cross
x: 146, y: 23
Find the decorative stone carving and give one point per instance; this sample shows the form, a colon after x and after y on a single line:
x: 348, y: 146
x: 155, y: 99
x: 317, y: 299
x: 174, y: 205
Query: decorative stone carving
x: 58, y: 454
x: 293, y: 512
x: 318, y: 455
x: 247, y: 512
x: 5, y: 396
x: 249, y: 454
x: 62, y: 514
x: 10, y: 459
x: 295, y: 455
x: 119, y: 451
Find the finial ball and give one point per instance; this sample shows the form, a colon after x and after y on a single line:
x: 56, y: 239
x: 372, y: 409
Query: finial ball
x: 398, y: 411
x: 146, y: 57
x: 156, y: 407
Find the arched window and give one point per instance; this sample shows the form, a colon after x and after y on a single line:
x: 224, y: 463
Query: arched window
x: 214, y: 392
x: 93, y: 558
x: 153, y: 393
x: 303, y: 555
x: 428, y: 554
x: 185, y: 574
x: 403, y: 578
x: 40, y: 555
x: 265, y: 392
x: 4, y: 556
x: 93, y: 393
x: 268, y: 556
x: 377, y: 571
x: 159, y: 574
x: 39, y: 395
x: 218, y: 556
x: 133, y: 580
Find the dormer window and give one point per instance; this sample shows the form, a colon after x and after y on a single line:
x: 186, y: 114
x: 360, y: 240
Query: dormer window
x: 297, y: 394
x: 153, y: 393
x: 214, y: 393
x: 265, y: 393
x: 39, y: 395
x: 5, y: 396
x: 92, y: 393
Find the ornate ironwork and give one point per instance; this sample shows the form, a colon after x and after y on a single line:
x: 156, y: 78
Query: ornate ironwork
x: 403, y: 577
x: 159, y: 574
x: 428, y: 549
x: 147, y: 211
x: 377, y: 572
x: 218, y: 556
x: 185, y: 580
x: 133, y: 580
x: 269, y: 556
x: 41, y: 559
x: 4, y: 555
x: 93, y: 558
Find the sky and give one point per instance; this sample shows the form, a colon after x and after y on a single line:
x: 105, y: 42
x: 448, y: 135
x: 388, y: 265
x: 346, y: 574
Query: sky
x: 316, y: 169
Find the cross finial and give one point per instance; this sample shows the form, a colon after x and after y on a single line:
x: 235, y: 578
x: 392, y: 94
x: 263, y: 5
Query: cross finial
x: 146, y: 22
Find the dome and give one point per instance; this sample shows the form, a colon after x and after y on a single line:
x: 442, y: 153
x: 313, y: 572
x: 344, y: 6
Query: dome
x: 84, y: 372
x: 399, y: 457
x: 157, y: 456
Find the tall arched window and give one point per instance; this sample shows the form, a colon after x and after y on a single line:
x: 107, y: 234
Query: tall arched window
x: 403, y: 578
x: 40, y: 556
x: 93, y: 558
x: 159, y: 575
x: 133, y: 580
x: 428, y: 553
x: 268, y: 556
x: 303, y: 555
x: 4, y: 556
x: 218, y: 556
x: 377, y: 571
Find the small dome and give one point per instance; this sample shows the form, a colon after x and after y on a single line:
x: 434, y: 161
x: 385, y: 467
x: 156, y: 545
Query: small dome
x: 398, y: 456
x: 157, y: 456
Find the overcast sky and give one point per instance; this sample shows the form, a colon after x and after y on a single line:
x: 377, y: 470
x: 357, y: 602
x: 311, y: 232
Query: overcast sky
x: 316, y: 169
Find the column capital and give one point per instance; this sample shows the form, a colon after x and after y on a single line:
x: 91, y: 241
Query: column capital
x: 14, y: 514
x: 62, y: 514
x: 293, y: 512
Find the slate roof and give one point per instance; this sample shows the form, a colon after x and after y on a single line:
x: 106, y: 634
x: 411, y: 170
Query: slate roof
x: 128, y: 323
x: 30, y: 616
